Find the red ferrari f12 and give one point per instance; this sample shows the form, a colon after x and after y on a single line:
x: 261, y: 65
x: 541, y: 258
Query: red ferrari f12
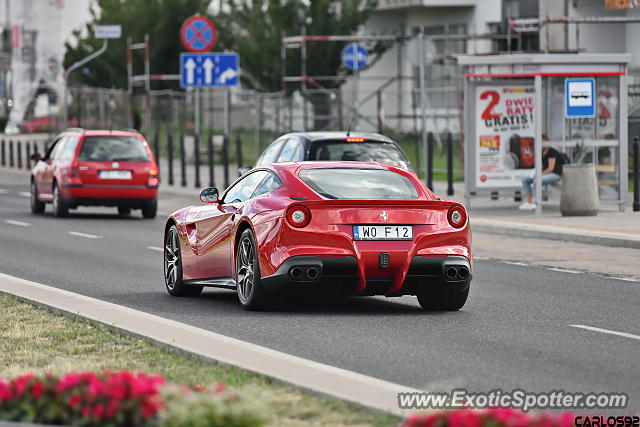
x: 349, y: 227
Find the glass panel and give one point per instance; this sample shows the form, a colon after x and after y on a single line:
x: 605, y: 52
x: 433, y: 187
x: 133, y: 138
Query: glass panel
x: 270, y: 183
x: 587, y: 140
x: 243, y: 189
x: 359, y: 152
x: 113, y: 148
x: 286, y: 154
x: 357, y: 183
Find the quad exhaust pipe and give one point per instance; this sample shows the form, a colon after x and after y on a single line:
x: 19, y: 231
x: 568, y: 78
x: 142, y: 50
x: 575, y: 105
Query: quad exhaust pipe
x: 304, y: 273
x: 312, y: 273
x: 295, y: 273
x: 456, y: 272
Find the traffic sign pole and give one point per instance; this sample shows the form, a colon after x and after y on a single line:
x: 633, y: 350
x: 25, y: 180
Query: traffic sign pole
x: 227, y: 111
x: 303, y: 64
x: 196, y: 136
x: 356, y: 76
x: 355, y: 57
x: 196, y: 111
x: 423, y: 96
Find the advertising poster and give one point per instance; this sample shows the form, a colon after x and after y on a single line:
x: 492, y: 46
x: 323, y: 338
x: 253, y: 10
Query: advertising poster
x: 504, y: 135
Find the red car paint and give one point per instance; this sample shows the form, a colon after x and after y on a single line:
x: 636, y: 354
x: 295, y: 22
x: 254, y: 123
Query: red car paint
x: 209, y: 233
x: 78, y: 181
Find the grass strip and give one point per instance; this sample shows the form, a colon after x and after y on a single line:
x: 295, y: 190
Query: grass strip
x: 37, y: 340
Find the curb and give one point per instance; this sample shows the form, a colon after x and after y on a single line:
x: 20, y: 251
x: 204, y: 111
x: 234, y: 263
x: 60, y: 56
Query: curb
x: 314, y: 377
x: 617, y: 240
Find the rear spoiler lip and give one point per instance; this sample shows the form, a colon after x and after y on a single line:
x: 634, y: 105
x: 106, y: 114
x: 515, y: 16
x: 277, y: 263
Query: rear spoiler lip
x: 380, y: 203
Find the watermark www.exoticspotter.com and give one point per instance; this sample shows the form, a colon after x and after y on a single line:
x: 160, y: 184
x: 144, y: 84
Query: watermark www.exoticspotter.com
x: 517, y: 399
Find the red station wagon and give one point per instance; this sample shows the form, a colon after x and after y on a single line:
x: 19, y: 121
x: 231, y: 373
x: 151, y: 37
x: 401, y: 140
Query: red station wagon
x: 96, y: 168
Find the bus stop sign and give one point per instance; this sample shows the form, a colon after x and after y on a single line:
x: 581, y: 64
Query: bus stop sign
x: 580, y: 98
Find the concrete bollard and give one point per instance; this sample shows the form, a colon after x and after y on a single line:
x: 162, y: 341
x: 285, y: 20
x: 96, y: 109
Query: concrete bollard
x: 579, y: 191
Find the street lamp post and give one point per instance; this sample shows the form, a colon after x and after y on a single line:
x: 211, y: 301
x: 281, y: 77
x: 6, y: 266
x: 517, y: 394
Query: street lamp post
x: 104, y: 32
x: 74, y: 67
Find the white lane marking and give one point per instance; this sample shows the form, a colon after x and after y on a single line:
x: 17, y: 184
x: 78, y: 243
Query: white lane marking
x: 563, y: 270
x: 24, y: 194
x: 520, y: 263
x: 88, y: 236
x: 607, y: 331
x: 18, y: 223
x: 3, y: 191
x: 155, y: 248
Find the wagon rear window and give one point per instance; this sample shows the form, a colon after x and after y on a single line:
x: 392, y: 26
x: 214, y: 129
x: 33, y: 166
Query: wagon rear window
x: 113, y: 148
x: 359, y: 183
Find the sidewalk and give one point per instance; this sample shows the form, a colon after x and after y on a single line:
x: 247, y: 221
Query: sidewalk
x: 190, y: 175
x: 609, y: 228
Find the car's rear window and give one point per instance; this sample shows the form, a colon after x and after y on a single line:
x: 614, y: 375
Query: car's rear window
x: 367, y: 151
x: 359, y: 183
x: 113, y: 148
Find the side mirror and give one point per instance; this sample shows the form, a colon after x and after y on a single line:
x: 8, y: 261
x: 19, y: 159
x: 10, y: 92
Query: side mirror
x: 36, y: 157
x: 209, y: 195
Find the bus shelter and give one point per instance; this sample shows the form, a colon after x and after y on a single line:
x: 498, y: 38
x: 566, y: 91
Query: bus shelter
x: 516, y: 104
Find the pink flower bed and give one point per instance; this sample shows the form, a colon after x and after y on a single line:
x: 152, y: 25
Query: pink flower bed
x: 497, y: 417
x: 87, y: 398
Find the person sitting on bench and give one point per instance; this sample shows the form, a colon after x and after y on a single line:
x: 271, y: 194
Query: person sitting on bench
x: 552, y: 161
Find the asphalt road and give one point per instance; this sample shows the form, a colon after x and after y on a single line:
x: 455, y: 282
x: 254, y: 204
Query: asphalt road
x: 514, y: 332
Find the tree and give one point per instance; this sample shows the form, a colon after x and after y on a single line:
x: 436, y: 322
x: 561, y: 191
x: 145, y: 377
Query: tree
x: 254, y: 29
x: 161, y: 19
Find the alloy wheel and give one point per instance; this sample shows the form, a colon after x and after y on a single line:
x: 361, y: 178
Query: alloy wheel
x: 245, y: 275
x: 56, y: 198
x: 171, y: 259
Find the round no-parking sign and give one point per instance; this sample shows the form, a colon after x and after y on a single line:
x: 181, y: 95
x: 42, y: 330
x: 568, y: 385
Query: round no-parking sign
x: 198, y: 34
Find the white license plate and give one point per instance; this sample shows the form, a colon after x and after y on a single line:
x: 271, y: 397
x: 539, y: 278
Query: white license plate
x: 114, y: 174
x: 382, y: 232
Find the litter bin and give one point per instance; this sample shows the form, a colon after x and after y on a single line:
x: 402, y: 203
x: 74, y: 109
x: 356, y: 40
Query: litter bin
x: 579, y: 191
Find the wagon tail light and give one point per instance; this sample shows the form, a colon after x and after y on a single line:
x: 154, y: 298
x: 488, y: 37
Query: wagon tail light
x: 298, y: 216
x: 354, y: 139
x: 74, y: 170
x: 457, y: 216
x: 153, y: 180
x: 74, y: 174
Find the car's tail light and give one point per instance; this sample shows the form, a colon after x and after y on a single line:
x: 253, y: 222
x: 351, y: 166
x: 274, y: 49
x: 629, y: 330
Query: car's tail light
x: 298, y: 216
x: 457, y: 216
x: 154, y: 179
x: 74, y: 170
x: 354, y: 139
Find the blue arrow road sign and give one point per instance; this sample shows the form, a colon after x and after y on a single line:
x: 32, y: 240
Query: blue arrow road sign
x: 209, y: 69
x: 580, y: 97
x: 355, y: 56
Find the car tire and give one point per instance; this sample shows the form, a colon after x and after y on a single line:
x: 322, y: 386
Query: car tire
x: 37, y: 207
x: 124, y: 210
x: 150, y: 209
x: 451, y: 301
x: 60, y: 207
x: 251, y: 294
x: 173, y: 267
